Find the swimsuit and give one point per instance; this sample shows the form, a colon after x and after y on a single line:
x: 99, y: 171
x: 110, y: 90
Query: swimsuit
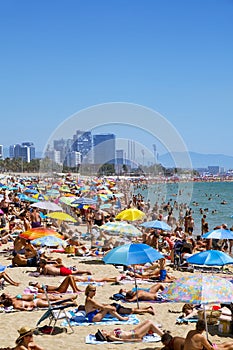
x: 117, y: 332
x: 90, y: 315
x: 64, y: 271
x: 36, y: 224
x: 32, y: 262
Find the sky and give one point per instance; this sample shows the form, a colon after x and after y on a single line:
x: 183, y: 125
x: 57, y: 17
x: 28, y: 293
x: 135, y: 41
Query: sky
x: 174, y: 57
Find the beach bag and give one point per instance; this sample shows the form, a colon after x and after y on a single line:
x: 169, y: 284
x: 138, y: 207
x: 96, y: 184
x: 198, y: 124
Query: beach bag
x: 70, y: 249
x: 99, y: 336
x: 212, y: 316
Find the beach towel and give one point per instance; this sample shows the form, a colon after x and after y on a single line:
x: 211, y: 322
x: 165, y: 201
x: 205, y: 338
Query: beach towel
x: 90, y: 339
x: 78, y: 318
x: 183, y: 320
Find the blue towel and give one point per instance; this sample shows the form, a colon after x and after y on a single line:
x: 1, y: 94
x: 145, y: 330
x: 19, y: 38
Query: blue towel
x: 107, y: 320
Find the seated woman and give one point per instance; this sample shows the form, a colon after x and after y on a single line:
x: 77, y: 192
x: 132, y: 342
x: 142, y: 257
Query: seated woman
x: 25, y: 340
x: 95, y: 311
x: 142, y: 294
x: 134, y: 335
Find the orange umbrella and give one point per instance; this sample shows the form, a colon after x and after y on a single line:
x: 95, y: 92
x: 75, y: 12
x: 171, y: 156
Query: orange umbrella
x: 38, y: 232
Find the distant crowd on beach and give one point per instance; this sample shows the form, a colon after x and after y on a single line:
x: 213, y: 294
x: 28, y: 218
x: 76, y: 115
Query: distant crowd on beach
x: 18, y: 217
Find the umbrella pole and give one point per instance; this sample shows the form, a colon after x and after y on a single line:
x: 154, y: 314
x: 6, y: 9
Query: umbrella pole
x: 136, y: 287
x: 206, y: 327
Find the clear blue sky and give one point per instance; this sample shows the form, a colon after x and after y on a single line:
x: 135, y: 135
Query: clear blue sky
x: 174, y: 56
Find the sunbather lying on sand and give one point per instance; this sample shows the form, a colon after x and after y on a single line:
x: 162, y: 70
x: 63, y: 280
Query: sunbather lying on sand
x: 145, y: 294
x: 159, y: 273
x: 58, y: 270
x: 30, y: 301
x: 70, y: 281
x: 134, y: 335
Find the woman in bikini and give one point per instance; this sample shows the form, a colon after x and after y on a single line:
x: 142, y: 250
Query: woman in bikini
x: 143, y: 294
x: 30, y: 301
x: 95, y: 311
x: 135, y: 335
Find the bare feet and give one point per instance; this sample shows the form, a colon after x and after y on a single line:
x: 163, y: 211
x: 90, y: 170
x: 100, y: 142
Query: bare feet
x: 151, y: 310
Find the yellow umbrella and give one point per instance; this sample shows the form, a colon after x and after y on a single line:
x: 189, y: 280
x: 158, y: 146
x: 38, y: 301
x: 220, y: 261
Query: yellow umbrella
x: 131, y: 214
x: 59, y: 215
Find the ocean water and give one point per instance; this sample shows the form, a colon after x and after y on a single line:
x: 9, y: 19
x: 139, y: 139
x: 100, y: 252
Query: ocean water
x: 205, y: 195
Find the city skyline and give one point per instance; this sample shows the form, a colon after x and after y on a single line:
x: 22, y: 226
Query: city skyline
x: 174, y: 57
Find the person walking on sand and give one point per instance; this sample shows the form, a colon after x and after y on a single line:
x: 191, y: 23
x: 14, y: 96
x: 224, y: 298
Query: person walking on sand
x: 95, y: 311
x: 25, y: 340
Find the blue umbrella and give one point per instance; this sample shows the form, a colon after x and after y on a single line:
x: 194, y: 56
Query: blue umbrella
x: 210, y: 258
x: 132, y: 254
x: 219, y: 234
x: 25, y: 198
x: 157, y: 224
x: 84, y: 201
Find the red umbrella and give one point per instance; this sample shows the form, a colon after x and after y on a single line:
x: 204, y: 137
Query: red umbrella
x: 38, y: 232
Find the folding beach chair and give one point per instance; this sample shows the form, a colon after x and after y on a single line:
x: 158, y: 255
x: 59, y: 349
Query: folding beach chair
x: 56, y: 311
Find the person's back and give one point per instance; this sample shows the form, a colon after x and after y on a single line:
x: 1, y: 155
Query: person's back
x: 195, y: 339
x: 172, y: 343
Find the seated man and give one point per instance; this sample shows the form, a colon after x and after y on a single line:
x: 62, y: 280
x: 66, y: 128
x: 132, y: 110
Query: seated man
x: 172, y: 343
x: 21, y: 260
x: 195, y: 340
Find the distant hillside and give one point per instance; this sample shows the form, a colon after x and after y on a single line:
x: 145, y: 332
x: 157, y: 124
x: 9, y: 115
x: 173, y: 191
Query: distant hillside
x: 199, y: 160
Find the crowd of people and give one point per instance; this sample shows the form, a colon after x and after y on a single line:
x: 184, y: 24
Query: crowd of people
x: 17, y: 216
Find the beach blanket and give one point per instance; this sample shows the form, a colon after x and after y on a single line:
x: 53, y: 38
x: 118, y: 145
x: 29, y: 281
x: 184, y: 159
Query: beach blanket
x: 78, y: 318
x: 183, y: 320
x: 90, y: 339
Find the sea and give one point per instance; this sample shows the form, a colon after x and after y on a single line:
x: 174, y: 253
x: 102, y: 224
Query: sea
x: 214, y: 198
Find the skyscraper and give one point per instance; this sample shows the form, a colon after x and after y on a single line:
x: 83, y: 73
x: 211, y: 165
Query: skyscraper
x: 25, y: 151
x: 104, y: 148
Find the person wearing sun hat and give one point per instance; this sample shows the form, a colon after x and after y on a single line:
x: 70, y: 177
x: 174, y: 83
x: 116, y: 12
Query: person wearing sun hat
x: 25, y: 340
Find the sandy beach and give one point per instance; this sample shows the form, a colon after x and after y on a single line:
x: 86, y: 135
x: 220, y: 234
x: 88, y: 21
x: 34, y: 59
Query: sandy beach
x: 12, y: 321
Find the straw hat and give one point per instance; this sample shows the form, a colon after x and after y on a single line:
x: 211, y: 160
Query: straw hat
x: 24, y: 331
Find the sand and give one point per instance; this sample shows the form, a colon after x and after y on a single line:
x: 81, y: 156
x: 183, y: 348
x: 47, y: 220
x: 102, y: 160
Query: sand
x: 10, y: 322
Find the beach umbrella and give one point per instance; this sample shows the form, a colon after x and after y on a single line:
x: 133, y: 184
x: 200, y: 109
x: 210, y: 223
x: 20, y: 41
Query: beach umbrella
x: 83, y: 201
x: 38, y: 232
x: 47, y: 205
x: 210, y: 258
x: 49, y: 241
x: 200, y: 289
x: 31, y: 191
x: 121, y: 227
x: 60, y: 215
x: 219, y: 234
x: 132, y: 254
x: 157, y: 224
x: 40, y: 197
x: 24, y: 198
x: 131, y: 214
